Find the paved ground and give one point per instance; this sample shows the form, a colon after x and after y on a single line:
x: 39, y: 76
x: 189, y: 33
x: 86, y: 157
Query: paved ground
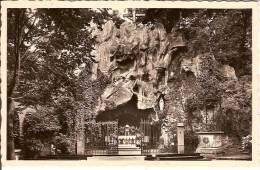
x: 235, y: 157
x: 141, y: 158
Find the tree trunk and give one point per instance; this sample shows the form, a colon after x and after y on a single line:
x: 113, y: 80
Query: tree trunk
x: 10, y: 137
x: 19, y: 17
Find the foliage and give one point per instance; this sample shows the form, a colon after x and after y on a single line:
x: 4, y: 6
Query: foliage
x: 224, y: 33
x: 63, y: 144
x: 90, y: 90
x: 191, y: 141
x: 33, y: 148
x: 247, y: 143
x: 38, y: 130
x: 169, y: 149
x: 65, y: 111
x: 54, y: 43
x: 59, y: 41
x: 232, y: 39
x: 218, y: 37
x: 236, y: 108
x: 45, y: 47
x: 42, y: 122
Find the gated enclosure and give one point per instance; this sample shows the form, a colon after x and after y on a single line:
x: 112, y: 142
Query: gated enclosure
x: 101, y: 138
x: 150, y: 137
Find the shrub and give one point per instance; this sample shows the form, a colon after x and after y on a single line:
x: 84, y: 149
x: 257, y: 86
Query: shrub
x: 41, y: 122
x: 39, y: 128
x: 169, y: 149
x: 247, y: 143
x: 191, y: 141
x: 32, y: 148
x: 63, y: 144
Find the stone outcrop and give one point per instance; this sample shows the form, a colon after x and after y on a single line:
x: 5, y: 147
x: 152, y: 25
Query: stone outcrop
x: 194, y: 65
x: 137, y: 58
x: 228, y: 72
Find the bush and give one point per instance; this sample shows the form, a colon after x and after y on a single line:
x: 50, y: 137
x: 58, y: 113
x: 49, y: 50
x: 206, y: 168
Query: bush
x: 63, y: 144
x: 40, y: 123
x: 32, y: 148
x: 39, y: 128
x: 247, y: 143
x: 169, y: 149
x: 191, y: 141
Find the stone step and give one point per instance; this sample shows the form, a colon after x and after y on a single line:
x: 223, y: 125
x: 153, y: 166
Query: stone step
x: 129, y: 152
x: 181, y: 158
x: 64, y: 157
x: 235, y: 157
x: 176, y: 154
x: 127, y: 146
x: 116, y: 158
x: 173, y: 156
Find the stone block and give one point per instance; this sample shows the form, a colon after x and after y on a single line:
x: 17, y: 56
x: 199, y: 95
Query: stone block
x: 210, y: 143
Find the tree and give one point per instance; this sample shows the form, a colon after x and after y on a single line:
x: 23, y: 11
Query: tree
x: 236, y: 114
x: 45, y: 47
x: 17, y: 19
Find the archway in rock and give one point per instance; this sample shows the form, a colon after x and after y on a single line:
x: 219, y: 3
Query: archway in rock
x: 126, y: 114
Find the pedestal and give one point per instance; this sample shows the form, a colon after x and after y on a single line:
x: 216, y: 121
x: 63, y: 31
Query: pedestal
x: 180, y: 138
x: 210, y: 143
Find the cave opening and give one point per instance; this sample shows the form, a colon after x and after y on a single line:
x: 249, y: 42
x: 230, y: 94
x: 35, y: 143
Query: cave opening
x: 126, y: 114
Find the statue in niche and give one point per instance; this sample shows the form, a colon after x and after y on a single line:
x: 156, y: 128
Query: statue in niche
x: 161, y: 104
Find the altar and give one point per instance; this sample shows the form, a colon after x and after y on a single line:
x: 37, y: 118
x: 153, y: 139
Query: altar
x: 127, y: 139
x: 128, y: 144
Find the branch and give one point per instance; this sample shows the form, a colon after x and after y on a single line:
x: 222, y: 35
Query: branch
x: 30, y: 29
x: 21, y: 27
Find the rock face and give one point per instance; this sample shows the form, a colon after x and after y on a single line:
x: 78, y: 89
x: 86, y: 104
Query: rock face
x: 194, y: 65
x: 156, y: 73
x: 146, y: 62
x: 228, y: 72
x: 137, y: 58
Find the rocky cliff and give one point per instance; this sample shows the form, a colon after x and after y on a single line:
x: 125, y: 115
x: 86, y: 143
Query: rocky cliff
x: 153, y: 65
x: 137, y: 58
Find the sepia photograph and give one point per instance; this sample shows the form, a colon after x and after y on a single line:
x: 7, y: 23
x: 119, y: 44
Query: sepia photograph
x: 128, y: 84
